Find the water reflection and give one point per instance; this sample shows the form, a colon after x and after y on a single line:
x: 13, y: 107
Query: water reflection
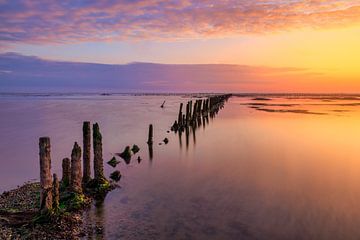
x: 199, y: 117
x: 151, y: 152
x: 252, y: 175
x: 95, y: 222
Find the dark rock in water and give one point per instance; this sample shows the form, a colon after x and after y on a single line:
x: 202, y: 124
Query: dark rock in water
x: 168, y: 131
x: 126, y: 154
x: 139, y: 159
x: 115, y: 176
x: 113, y: 162
x: 135, y: 149
x: 166, y: 140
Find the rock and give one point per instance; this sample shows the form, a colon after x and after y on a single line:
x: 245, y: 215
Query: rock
x: 116, y: 175
x: 135, y: 149
x: 113, y: 162
x: 126, y: 154
x: 166, y: 140
x: 139, y: 159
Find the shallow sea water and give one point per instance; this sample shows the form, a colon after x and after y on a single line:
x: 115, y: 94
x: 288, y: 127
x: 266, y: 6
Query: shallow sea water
x: 284, y: 168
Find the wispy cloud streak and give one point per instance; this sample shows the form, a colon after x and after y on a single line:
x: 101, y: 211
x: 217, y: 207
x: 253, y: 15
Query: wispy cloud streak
x: 69, y: 21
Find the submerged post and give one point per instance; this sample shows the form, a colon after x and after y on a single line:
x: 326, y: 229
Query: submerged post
x: 98, y: 158
x: 56, y: 194
x: 86, y: 153
x: 66, y: 172
x: 150, y: 136
x: 45, y: 175
x: 76, y: 169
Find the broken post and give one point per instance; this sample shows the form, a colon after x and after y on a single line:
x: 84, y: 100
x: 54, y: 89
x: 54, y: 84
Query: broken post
x: 66, y: 172
x: 55, y: 192
x: 45, y: 175
x: 76, y: 169
x: 86, y: 153
x: 98, y: 157
x: 180, y: 115
x: 150, y: 136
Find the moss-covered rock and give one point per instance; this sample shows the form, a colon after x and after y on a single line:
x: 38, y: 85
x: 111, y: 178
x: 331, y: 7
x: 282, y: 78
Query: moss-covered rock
x: 116, y: 176
x: 126, y: 154
x: 113, y: 162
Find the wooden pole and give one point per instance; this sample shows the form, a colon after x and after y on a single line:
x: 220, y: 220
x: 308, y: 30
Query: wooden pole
x: 56, y: 194
x: 45, y: 175
x: 98, y: 157
x: 66, y: 172
x: 150, y: 135
x: 76, y: 169
x: 86, y: 153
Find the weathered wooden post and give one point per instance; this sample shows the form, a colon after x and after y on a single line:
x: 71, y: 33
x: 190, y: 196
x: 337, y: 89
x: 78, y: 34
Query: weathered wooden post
x: 76, y: 169
x: 56, y: 194
x: 150, y: 136
x: 45, y: 175
x: 98, y: 157
x: 86, y: 153
x: 180, y: 115
x: 187, y: 114
x: 66, y: 172
x: 190, y: 108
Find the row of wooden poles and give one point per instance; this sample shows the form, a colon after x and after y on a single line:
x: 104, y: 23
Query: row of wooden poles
x: 202, y: 107
x: 72, y: 175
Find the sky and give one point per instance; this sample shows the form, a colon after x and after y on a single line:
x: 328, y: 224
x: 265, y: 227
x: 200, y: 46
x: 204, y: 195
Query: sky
x: 182, y: 45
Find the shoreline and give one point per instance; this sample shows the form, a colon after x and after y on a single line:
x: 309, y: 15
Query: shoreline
x: 18, y: 211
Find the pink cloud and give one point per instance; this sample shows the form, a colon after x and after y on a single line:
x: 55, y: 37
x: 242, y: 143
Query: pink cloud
x: 76, y: 21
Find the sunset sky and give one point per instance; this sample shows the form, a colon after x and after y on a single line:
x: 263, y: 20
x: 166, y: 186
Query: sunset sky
x: 226, y: 45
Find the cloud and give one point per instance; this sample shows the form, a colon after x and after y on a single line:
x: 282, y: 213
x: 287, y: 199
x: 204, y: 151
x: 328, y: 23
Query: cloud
x: 69, y: 21
x: 32, y: 73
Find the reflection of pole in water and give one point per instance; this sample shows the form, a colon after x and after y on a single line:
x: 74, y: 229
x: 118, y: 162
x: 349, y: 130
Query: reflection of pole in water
x: 194, y: 134
x: 203, y: 122
x: 180, y: 140
x: 187, y: 136
x: 94, y: 221
x: 99, y: 220
x: 199, y: 121
x: 150, y: 147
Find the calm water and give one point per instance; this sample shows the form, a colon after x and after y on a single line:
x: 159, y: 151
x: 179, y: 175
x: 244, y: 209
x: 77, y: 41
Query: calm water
x: 285, y: 168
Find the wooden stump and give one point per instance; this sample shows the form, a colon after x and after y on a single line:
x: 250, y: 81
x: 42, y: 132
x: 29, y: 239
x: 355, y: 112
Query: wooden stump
x: 66, y: 172
x: 86, y: 153
x: 56, y: 193
x: 98, y: 157
x: 45, y: 175
x: 150, y: 135
x: 76, y: 175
